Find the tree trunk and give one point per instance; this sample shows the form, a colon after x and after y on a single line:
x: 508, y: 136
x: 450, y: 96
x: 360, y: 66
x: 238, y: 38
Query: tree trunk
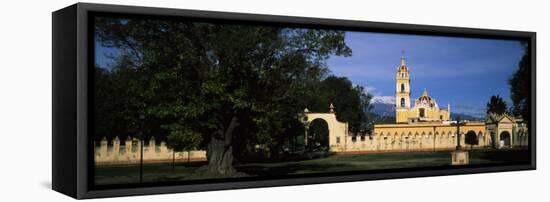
x: 220, y: 151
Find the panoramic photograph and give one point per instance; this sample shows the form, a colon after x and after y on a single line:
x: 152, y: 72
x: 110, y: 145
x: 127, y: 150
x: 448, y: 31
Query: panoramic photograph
x: 180, y: 101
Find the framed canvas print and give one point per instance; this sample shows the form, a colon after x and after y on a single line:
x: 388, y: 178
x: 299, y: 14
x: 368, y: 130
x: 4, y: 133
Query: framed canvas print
x: 154, y: 100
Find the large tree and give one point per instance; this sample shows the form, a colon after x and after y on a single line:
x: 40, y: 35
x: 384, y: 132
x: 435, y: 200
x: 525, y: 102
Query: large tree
x: 215, y: 77
x: 520, y: 86
x: 496, y: 105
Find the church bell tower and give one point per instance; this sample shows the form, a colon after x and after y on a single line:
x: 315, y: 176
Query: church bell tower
x: 402, y: 92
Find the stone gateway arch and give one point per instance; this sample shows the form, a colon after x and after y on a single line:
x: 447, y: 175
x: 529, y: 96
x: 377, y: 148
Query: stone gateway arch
x: 337, y: 131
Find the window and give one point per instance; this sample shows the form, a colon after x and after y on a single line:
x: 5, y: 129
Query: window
x: 440, y: 117
x: 402, y: 102
x: 402, y: 87
x: 421, y: 112
x: 337, y: 140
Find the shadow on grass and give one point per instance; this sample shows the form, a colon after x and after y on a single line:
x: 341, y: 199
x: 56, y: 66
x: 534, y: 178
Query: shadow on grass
x: 285, y: 169
x: 498, y: 156
x: 335, y: 163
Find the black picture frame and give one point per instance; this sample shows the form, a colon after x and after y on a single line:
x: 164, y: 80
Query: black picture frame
x: 72, y: 103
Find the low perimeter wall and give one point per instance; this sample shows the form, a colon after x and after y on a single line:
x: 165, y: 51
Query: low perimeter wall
x: 130, y: 153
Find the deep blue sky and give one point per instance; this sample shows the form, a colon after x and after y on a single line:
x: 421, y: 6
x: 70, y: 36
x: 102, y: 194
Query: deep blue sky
x: 463, y: 72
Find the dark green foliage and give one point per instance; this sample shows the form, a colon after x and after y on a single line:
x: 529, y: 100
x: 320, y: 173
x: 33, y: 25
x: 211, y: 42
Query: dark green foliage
x: 120, y: 103
x: 183, y: 139
x: 496, y: 105
x: 351, y: 103
x: 520, y: 87
x: 373, y: 118
x: 237, y: 86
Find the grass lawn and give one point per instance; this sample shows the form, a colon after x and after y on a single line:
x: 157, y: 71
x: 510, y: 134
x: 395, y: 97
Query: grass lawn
x: 164, y: 172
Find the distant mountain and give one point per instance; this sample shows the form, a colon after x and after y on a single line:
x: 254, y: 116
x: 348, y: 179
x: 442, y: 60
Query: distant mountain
x: 379, y: 119
x: 383, y: 109
x: 383, y: 106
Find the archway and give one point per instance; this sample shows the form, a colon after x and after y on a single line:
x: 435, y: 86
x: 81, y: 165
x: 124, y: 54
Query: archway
x: 471, y: 138
x: 504, y: 139
x: 337, y: 131
x: 318, y: 135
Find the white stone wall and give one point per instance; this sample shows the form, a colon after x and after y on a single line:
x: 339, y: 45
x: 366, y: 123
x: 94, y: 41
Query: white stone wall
x: 130, y: 153
x: 398, y: 143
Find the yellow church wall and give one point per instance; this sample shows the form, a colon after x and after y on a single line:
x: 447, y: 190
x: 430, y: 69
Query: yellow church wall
x: 436, y: 114
x: 403, y: 116
x: 416, y: 137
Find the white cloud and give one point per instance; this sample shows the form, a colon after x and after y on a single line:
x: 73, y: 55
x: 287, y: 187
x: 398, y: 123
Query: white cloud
x: 370, y: 89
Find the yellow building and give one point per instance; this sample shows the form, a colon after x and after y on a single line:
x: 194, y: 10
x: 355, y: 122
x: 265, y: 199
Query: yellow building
x: 424, y: 127
x: 425, y: 107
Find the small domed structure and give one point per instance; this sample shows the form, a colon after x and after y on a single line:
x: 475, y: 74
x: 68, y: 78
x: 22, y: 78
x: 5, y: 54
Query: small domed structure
x: 426, y: 101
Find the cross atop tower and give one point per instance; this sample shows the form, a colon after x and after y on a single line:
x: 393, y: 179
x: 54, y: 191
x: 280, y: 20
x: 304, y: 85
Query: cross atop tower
x: 402, y: 57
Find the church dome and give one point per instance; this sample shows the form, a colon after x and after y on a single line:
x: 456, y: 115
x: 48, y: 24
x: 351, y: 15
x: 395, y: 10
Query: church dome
x: 425, y: 100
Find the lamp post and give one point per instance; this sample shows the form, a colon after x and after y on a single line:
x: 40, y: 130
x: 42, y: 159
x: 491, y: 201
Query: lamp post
x: 435, y: 135
x: 459, y: 157
x: 141, y: 118
x: 458, y: 124
x: 306, y: 124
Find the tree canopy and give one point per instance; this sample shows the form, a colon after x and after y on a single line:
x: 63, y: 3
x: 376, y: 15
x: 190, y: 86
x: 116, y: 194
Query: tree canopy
x: 496, y: 105
x: 520, y: 87
x: 234, y: 85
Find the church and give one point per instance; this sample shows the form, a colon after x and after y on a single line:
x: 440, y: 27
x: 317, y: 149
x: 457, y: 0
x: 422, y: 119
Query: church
x: 425, y: 107
x: 423, y: 127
